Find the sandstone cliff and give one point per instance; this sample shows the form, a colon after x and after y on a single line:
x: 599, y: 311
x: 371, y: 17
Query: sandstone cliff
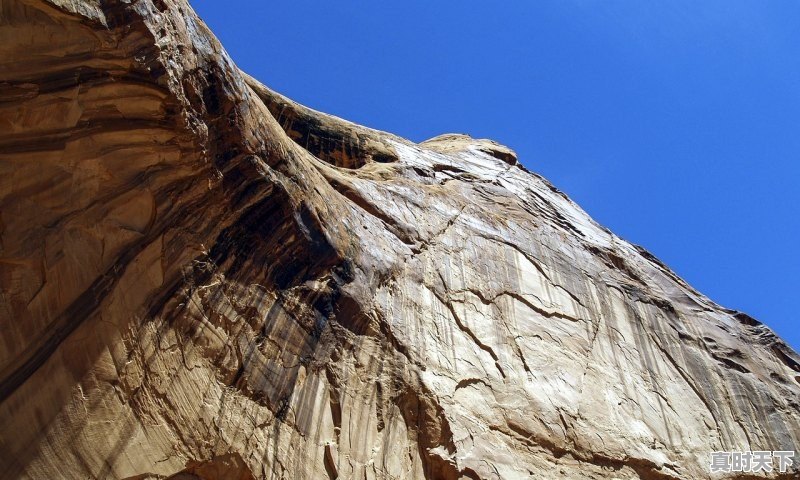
x: 202, y: 278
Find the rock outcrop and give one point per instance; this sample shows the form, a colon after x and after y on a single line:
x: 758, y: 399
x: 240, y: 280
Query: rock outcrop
x: 203, y: 279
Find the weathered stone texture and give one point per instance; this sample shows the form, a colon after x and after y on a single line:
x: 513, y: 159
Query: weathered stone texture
x: 203, y: 279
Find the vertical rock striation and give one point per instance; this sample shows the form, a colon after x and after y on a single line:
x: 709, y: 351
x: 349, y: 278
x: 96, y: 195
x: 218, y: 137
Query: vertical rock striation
x: 203, y: 279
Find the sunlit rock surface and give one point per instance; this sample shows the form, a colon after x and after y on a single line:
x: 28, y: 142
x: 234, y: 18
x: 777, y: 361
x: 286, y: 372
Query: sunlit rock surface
x: 203, y: 279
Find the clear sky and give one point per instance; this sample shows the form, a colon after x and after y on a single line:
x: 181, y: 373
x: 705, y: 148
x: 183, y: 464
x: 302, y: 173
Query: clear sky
x: 676, y: 124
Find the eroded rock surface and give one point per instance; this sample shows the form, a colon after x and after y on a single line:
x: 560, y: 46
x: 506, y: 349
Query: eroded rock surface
x: 202, y: 279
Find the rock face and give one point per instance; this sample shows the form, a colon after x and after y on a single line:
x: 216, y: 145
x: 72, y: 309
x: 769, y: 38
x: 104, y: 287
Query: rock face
x: 203, y: 279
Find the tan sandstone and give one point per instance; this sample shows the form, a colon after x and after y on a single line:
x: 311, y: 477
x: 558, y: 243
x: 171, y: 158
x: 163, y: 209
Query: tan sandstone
x: 203, y: 279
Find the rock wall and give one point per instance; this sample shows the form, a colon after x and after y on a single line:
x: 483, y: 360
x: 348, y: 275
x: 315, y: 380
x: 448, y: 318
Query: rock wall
x: 203, y: 279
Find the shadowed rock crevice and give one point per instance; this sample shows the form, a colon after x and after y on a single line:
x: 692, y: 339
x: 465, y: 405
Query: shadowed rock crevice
x: 230, y: 466
x: 328, y: 138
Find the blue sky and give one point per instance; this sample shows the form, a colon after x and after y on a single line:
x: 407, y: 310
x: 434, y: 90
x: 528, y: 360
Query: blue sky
x: 675, y: 124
